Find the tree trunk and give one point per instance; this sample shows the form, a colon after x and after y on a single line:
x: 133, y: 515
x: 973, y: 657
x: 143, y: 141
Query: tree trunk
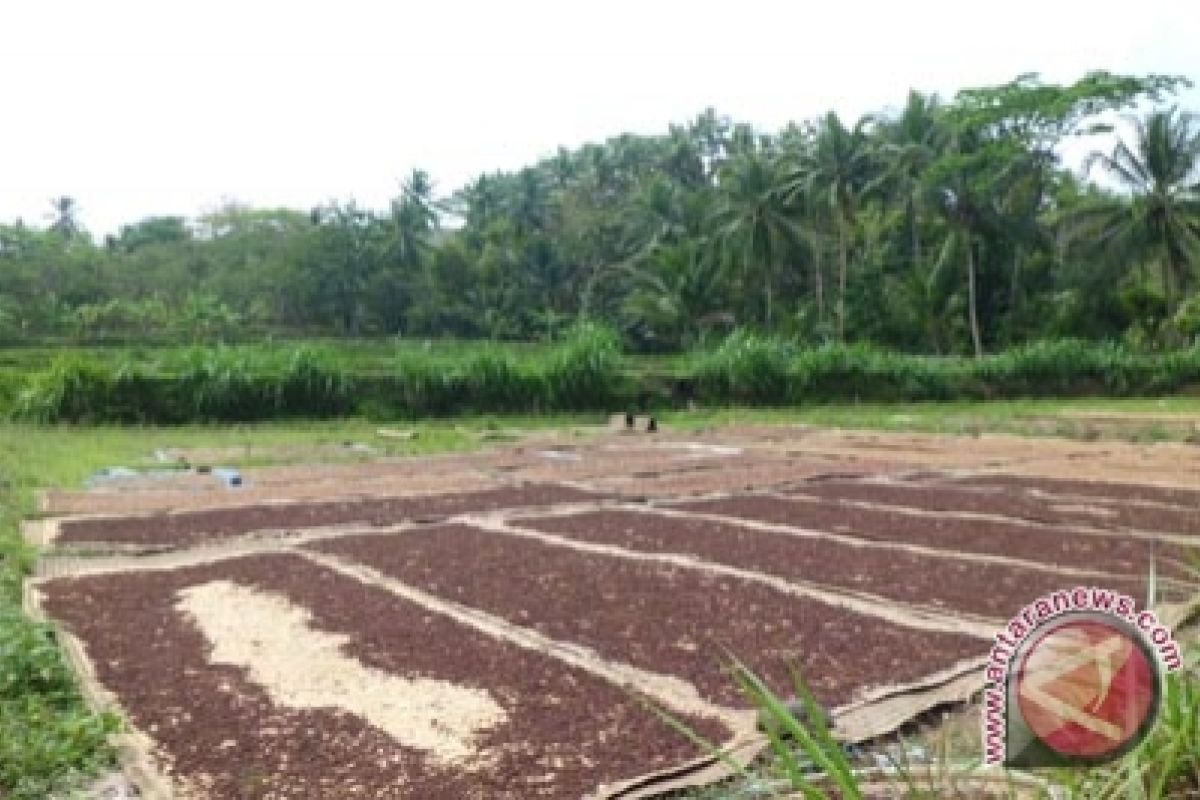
x: 972, y: 300
x: 1014, y: 289
x: 770, y: 281
x: 914, y: 233
x: 1168, y: 273
x: 843, y: 267
x: 819, y: 281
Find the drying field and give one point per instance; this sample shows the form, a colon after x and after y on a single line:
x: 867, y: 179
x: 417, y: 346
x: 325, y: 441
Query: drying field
x: 498, y: 625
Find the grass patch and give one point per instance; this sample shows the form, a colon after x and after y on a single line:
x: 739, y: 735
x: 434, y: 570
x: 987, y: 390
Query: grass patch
x: 1066, y: 418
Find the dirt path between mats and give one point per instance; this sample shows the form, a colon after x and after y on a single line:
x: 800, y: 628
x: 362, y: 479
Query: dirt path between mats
x: 656, y: 616
x: 225, y: 737
x: 1165, y: 464
x: 951, y: 585
x: 1065, y: 549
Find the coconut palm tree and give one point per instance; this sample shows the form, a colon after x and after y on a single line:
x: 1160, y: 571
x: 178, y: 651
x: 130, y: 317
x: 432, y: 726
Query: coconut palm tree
x: 414, y: 219
x: 1160, y: 169
x: 910, y: 143
x: 837, y: 167
x: 64, y: 217
x: 753, y: 222
x: 960, y: 186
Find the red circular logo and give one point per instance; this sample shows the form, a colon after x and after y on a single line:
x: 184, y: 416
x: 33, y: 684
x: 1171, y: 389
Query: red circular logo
x: 1086, y: 688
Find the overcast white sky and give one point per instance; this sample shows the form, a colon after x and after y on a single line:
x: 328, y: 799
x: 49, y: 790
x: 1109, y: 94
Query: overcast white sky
x: 139, y: 107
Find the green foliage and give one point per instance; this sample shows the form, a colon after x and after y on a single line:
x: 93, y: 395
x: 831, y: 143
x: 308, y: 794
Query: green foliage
x: 585, y: 371
x: 1187, y: 319
x: 49, y: 740
x: 757, y: 370
x: 47, y: 736
x: 207, y: 384
x: 72, y: 388
x: 746, y: 368
x: 814, y: 762
x: 232, y: 384
x: 949, y: 226
x: 1041, y: 114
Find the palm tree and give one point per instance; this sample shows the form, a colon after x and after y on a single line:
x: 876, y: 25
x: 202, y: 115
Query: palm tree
x: 1161, y: 170
x: 911, y: 142
x: 753, y: 221
x: 414, y: 219
x: 837, y: 167
x: 672, y: 295
x: 64, y: 217
x: 961, y: 186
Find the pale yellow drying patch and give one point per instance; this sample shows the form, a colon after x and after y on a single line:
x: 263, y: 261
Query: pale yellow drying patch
x: 304, y: 668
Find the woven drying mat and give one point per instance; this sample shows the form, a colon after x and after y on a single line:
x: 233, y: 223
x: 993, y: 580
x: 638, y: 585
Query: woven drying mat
x: 700, y: 772
x: 873, y: 716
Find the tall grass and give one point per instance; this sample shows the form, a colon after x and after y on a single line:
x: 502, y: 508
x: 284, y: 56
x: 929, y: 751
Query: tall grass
x: 582, y: 372
x: 757, y: 370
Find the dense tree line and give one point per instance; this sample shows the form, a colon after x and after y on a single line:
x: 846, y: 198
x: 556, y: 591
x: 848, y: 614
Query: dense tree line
x: 946, y: 226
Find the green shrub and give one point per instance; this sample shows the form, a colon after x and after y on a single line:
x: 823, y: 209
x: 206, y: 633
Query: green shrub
x: 495, y: 381
x: 71, y: 389
x: 584, y: 371
x: 313, y: 385
x: 47, y: 735
x: 746, y: 368
x: 756, y: 370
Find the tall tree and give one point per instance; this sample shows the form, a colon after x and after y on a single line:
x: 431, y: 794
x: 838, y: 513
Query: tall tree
x: 64, y: 217
x: 752, y: 223
x: 414, y: 218
x: 910, y: 144
x: 1160, y: 170
x: 962, y: 186
x: 838, y: 166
